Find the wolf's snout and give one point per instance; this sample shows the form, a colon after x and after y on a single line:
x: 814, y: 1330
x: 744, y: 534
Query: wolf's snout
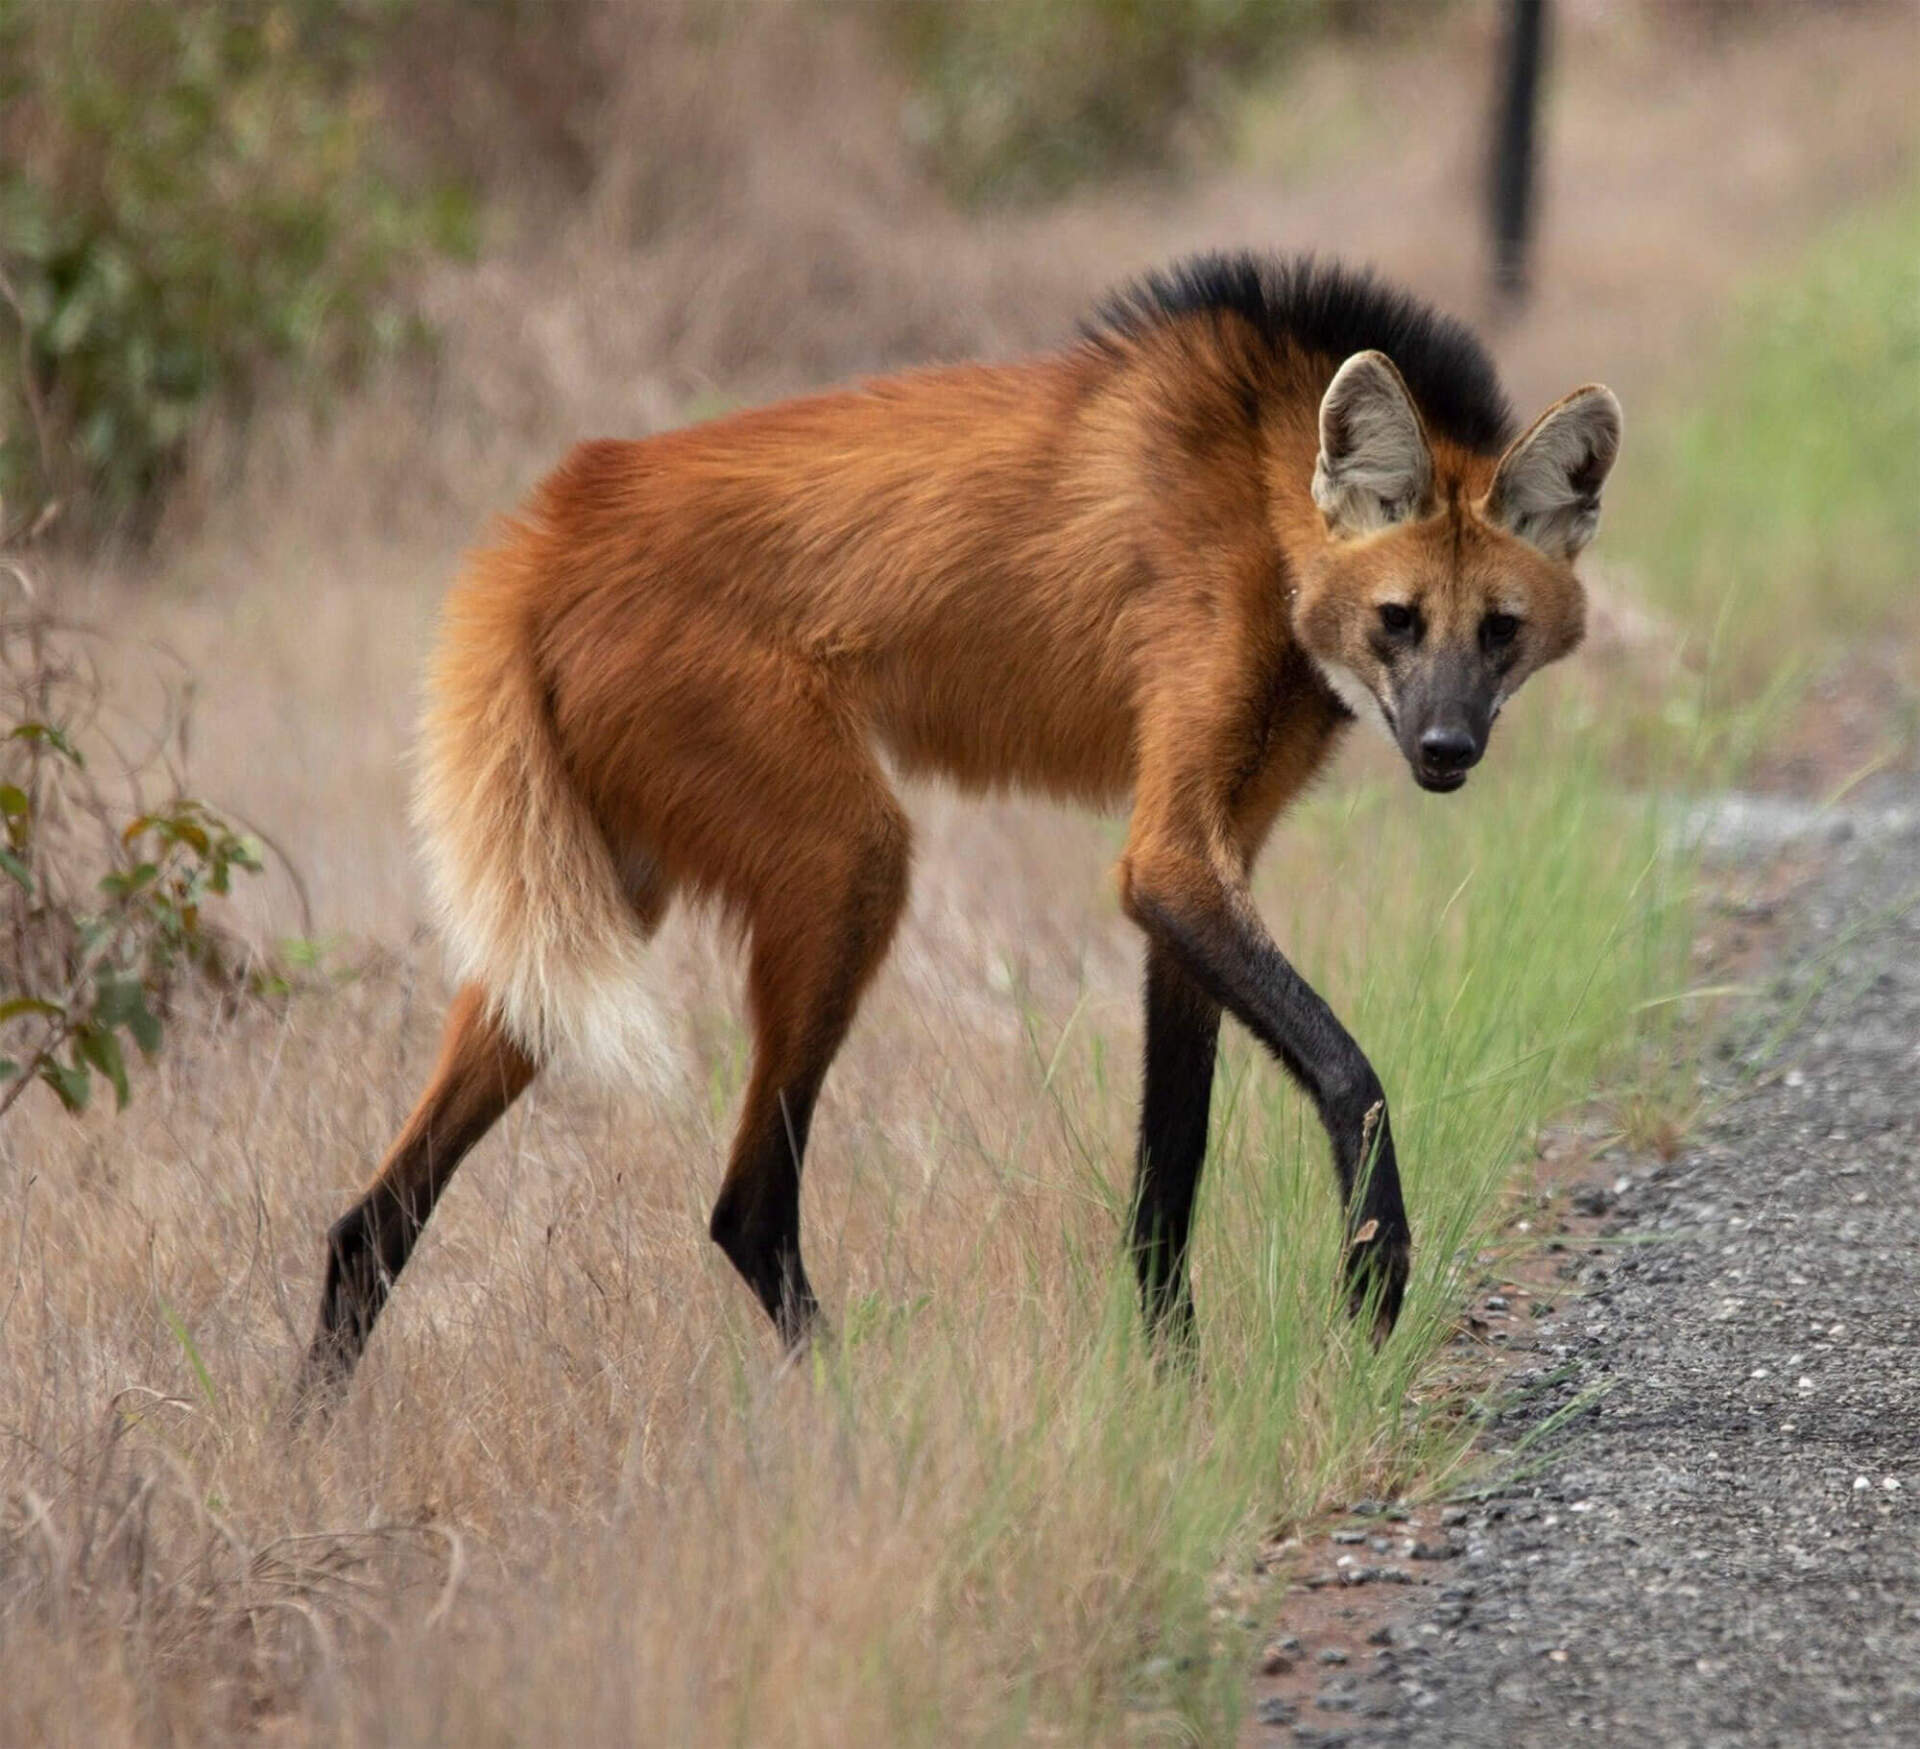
x: 1444, y: 754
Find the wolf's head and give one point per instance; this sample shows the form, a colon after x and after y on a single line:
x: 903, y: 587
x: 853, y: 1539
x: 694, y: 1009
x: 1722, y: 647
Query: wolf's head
x: 1447, y: 577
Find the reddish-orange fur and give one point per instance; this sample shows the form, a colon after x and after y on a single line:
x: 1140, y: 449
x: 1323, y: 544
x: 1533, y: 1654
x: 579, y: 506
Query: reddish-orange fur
x: 688, y: 664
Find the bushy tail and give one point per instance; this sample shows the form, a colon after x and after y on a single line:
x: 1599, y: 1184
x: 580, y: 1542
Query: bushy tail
x: 528, y: 895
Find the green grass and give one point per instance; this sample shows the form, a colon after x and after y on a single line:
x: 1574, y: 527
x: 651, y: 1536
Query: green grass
x: 1495, y: 955
x: 1506, y: 956
x: 1777, y: 516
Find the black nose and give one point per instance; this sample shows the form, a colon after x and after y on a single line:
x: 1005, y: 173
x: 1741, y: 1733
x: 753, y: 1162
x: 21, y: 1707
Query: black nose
x: 1446, y: 751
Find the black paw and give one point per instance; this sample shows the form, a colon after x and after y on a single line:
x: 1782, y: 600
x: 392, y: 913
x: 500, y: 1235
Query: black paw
x: 350, y: 1300
x: 1379, y: 1260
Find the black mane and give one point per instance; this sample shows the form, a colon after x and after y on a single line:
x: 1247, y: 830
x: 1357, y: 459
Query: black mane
x: 1335, y: 311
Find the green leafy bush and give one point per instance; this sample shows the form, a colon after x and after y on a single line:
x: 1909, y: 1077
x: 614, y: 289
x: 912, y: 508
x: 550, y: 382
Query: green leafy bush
x: 103, y: 896
x: 188, y: 197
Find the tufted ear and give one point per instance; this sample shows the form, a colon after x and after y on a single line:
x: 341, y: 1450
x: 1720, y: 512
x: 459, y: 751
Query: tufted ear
x: 1547, y: 486
x: 1374, y: 466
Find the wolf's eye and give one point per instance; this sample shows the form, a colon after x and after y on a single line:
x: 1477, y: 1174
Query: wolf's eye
x: 1396, y: 618
x: 1499, y: 630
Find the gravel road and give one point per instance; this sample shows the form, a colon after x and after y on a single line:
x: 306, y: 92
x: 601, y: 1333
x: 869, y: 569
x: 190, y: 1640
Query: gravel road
x: 1727, y: 1551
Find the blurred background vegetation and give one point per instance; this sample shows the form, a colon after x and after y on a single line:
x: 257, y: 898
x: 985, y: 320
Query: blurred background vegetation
x: 1031, y: 96
x: 1779, y: 512
x: 191, y: 195
x: 200, y: 196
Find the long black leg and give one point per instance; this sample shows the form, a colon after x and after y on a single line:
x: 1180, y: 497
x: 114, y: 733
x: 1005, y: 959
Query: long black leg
x: 481, y: 1072
x: 1223, y: 946
x: 815, y: 946
x: 1183, y: 1027
x: 757, y: 1218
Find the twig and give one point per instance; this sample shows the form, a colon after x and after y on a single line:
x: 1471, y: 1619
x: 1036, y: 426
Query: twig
x: 30, y: 390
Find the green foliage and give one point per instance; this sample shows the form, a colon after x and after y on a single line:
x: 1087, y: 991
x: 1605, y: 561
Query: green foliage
x: 188, y: 198
x: 1024, y: 97
x: 101, y: 907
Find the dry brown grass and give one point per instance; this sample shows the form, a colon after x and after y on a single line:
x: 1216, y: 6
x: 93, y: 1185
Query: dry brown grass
x: 570, y: 1384
x: 572, y: 1497
x: 575, y: 1497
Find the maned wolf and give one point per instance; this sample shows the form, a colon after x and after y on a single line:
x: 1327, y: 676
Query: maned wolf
x: 1166, y: 566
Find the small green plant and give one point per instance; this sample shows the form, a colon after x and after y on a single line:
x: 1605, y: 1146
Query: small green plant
x: 103, y: 903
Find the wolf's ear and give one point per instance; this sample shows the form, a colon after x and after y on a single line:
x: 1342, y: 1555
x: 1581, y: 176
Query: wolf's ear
x: 1547, y: 486
x: 1374, y: 467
